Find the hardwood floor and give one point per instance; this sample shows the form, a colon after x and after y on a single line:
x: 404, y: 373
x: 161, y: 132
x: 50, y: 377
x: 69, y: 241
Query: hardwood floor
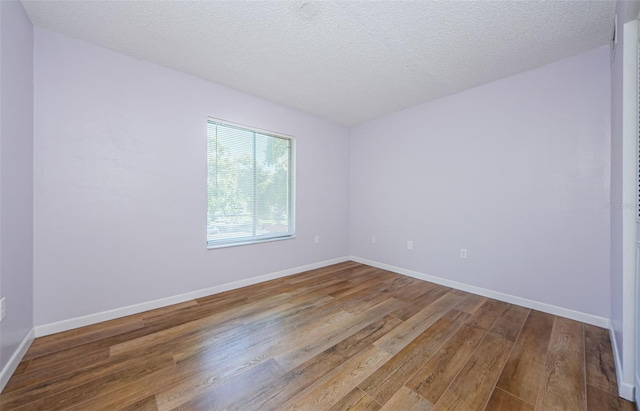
x: 345, y: 337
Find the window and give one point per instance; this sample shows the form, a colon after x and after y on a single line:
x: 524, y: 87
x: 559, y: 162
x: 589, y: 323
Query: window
x: 250, y: 185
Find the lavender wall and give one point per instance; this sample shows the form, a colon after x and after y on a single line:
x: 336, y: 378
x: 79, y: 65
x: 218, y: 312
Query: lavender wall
x: 16, y: 176
x: 515, y: 171
x: 120, y: 182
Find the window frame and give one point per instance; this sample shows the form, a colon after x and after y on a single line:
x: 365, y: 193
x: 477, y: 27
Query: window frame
x: 291, y: 234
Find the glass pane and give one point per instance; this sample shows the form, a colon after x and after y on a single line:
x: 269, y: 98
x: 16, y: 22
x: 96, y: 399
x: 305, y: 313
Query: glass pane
x: 231, y: 184
x: 272, y: 184
x: 249, y: 185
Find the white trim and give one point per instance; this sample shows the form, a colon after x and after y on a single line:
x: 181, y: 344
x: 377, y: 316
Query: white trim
x: 635, y: 331
x: 250, y: 128
x: 625, y: 390
x: 634, y: 391
x: 211, y: 245
x: 291, y: 192
x: 629, y: 196
x: 512, y: 299
x: 65, y: 325
x: 14, y: 361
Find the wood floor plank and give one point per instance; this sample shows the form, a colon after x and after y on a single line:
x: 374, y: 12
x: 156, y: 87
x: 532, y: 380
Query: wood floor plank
x: 167, y: 311
x: 327, y: 289
x: 43, y: 373
x: 509, y: 324
x: 312, y: 282
x: 145, y: 404
x: 291, y: 383
x: 471, y: 303
x: 62, y: 382
x: 473, y: 386
x: 130, y: 394
x: 522, y: 375
x: 599, y: 400
x: 406, y: 332
x: 357, y: 287
x: 259, y: 341
x: 375, y: 275
x: 563, y: 382
x: 276, y: 303
x: 627, y: 405
x: 413, y: 290
x: 326, y: 286
x: 138, y: 390
x: 319, y: 338
x: 22, y: 367
x: 200, y: 403
x: 261, y: 329
x: 487, y: 314
x: 196, y: 312
x: 388, y: 379
x: 403, y: 288
x: 95, y: 387
x: 412, y: 308
x: 14, y: 381
x: 211, y: 368
x: 356, y: 400
x: 343, y: 337
x: 220, y: 393
x: 364, y: 299
x: 432, y: 379
x: 461, y: 293
x: 257, y: 328
x: 346, y: 270
x: 329, y: 389
x: 406, y: 400
x: 80, y: 356
x: 502, y: 401
x: 601, y: 372
x: 74, y: 338
x: 224, y: 302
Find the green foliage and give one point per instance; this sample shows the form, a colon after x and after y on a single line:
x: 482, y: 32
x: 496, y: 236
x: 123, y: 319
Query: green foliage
x: 252, y: 184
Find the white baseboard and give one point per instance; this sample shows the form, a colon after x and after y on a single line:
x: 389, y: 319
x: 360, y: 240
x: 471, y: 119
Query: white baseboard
x: 14, y: 361
x: 625, y: 390
x: 512, y: 299
x: 65, y: 325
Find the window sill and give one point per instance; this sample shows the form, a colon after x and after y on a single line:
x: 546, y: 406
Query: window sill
x: 253, y: 241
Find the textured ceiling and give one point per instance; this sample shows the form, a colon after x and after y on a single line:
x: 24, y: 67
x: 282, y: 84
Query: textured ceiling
x: 347, y: 61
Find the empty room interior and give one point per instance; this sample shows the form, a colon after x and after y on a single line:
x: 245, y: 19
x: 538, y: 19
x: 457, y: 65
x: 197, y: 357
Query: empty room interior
x: 319, y: 205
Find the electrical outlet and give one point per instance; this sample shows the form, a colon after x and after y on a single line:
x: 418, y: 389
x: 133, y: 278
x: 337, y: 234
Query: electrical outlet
x: 409, y: 245
x: 463, y: 253
x: 317, y: 239
x: 373, y: 239
x: 3, y: 310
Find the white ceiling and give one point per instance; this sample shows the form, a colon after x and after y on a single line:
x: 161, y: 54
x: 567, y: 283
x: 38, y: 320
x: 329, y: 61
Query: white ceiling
x: 346, y: 61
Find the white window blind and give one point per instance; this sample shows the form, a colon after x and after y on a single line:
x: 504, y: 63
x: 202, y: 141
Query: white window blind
x: 250, y: 185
